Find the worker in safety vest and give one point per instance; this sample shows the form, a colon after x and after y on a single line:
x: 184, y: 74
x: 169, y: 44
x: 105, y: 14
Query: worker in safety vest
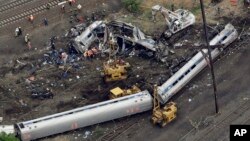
x: 64, y: 57
x: 27, y: 38
x: 31, y: 18
x: 90, y: 54
x: 17, y: 32
x: 85, y: 54
x: 29, y: 45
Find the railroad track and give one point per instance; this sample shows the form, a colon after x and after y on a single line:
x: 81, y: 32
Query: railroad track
x: 243, y: 107
x: 124, y: 126
x: 13, y: 4
x: 228, y: 119
x: 27, y: 12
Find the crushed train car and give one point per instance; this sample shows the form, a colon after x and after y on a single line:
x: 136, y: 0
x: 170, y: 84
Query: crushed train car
x: 127, y: 36
x: 87, y: 37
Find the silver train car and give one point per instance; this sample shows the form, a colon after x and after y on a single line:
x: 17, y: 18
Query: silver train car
x: 84, y: 116
x: 196, y: 64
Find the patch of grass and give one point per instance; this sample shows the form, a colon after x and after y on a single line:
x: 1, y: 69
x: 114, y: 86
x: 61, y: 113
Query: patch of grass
x: 132, y: 5
x: 147, y: 14
x: 196, y: 10
x: 8, y: 137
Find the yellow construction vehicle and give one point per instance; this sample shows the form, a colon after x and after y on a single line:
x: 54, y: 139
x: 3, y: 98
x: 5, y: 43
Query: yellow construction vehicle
x: 114, y: 69
x: 162, y: 116
x: 118, y: 92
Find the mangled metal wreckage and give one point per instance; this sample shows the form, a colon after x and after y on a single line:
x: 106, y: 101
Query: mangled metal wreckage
x: 124, y: 106
x: 126, y: 35
x: 87, y: 37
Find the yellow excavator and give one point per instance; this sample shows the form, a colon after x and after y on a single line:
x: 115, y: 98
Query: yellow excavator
x: 114, y: 69
x: 162, y: 116
x: 118, y: 92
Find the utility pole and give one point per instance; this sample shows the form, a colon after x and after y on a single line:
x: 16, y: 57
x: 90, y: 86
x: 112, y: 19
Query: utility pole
x: 209, y: 55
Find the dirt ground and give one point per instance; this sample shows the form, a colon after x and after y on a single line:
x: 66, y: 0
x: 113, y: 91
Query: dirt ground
x: 83, y: 84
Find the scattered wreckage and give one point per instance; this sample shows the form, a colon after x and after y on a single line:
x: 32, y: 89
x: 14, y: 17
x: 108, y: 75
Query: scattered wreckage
x: 127, y: 36
x: 130, y: 37
x: 123, y: 106
x: 42, y: 95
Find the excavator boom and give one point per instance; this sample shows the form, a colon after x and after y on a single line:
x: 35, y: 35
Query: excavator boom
x: 175, y: 20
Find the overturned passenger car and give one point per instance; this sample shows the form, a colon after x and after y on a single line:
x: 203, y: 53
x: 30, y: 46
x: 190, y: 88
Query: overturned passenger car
x: 83, y: 41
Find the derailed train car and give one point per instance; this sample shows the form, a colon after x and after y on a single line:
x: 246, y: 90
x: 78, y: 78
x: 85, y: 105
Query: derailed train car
x: 196, y: 64
x: 124, y: 106
x: 85, y: 116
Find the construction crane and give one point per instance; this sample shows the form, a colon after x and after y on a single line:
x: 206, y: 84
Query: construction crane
x: 114, y: 69
x: 162, y: 116
x: 175, y: 20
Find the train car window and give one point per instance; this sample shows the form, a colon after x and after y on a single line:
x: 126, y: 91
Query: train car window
x: 187, y: 72
x: 181, y: 77
x: 175, y: 83
x: 89, y: 35
x: 169, y: 87
x: 193, y: 66
x: 223, y: 39
x: 21, y: 125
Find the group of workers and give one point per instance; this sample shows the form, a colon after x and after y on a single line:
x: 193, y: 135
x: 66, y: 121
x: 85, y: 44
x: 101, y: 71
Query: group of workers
x: 31, y: 19
x: 71, y: 2
x: 19, y: 32
x: 90, y: 53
